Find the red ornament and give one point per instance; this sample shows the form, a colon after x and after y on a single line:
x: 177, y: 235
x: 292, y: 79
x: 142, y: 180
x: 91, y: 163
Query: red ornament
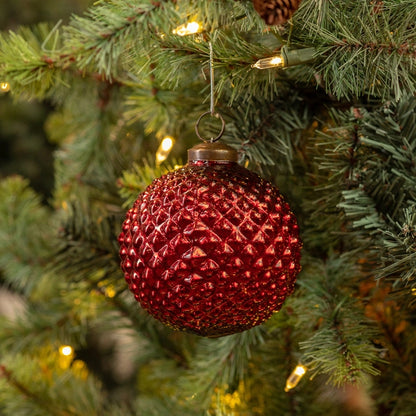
x: 210, y: 248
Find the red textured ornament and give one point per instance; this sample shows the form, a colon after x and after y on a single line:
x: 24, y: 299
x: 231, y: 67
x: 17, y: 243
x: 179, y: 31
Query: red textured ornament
x: 210, y: 248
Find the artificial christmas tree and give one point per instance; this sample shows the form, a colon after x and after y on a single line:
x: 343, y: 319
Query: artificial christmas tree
x: 331, y: 121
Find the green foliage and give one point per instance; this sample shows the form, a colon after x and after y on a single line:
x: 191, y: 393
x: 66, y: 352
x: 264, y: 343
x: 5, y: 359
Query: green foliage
x: 219, y: 363
x: 99, y: 38
x: 337, y: 135
x: 30, y: 60
x: 376, y: 183
x: 266, y: 133
x: 341, y: 346
x: 369, y: 55
x: 367, y: 48
x: 47, y: 389
x: 26, y: 236
x: 64, y: 321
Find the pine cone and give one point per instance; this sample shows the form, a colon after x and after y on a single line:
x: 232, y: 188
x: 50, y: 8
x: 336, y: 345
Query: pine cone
x: 276, y: 12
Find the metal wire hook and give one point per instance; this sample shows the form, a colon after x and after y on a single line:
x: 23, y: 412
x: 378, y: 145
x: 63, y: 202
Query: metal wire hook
x: 211, y: 112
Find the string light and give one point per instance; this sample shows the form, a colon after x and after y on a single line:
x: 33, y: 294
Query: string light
x: 4, y: 86
x: 294, y: 378
x: 271, y: 62
x: 189, y: 28
x: 164, y: 149
x: 106, y: 288
x: 66, y: 355
x: 232, y: 403
x: 110, y: 291
x: 287, y: 57
x: 66, y: 350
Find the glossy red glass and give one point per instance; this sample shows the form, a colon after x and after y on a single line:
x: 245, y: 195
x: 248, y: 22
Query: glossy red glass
x: 210, y: 248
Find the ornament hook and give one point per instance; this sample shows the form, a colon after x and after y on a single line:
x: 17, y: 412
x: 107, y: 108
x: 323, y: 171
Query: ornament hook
x: 217, y: 115
x: 211, y: 112
x: 211, y: 76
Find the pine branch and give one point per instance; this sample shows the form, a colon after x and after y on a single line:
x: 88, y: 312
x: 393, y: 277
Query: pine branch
x: 399, y: 256
x: 373, y: 180
x: 25, y: 392
x: 27, y: 388
x: 396, y: 324
x: 89, y: 152
x: 82, y: 259
x: 30, y: 60
x: 221, y: 362
x: 366, y: 49
x: 375, y: 55
x: 100, y: 38
x: 341, y: 345
x: 61, y: 312
x: 267, y: 133
x: 26, y: 235
x: 163, y: 112
x: 162, y: 406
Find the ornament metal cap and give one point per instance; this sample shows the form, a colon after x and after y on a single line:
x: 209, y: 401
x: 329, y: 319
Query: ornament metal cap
x: 212, y: 151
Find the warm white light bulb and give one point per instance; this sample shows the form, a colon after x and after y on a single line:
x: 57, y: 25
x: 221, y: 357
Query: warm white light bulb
x: 188, y: 29
x: 4, y: 86
x: 294, y: 378
x: 166, y: 144
x: 110, y: 292
x: 300, y: 370
x: 277, y: 60
x: 271, y: 62
x: 66, y: 350
x: 164, y: 149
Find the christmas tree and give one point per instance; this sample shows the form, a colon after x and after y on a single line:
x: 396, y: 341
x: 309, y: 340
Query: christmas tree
x: 317, y: 96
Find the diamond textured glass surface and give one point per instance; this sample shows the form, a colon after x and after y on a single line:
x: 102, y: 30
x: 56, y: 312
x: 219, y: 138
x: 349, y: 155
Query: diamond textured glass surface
x: 210, y: 248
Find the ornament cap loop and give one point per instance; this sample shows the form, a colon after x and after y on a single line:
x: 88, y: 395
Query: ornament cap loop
x: 217, y: 115
x: 212, y: 151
